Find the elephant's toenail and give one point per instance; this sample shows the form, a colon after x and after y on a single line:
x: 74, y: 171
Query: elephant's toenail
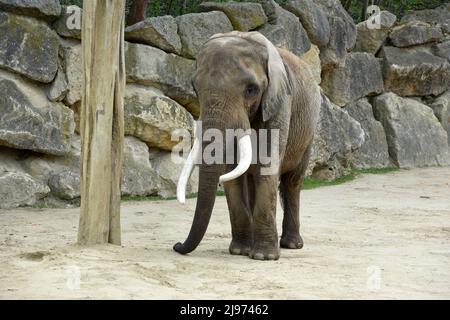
x: 271, y: 256
x: 258, y: 256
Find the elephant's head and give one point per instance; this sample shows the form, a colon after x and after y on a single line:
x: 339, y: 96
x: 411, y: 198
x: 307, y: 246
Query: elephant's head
x: 239, y: 76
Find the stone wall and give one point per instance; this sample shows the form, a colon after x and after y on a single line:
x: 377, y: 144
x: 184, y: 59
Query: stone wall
x: 386, y: 95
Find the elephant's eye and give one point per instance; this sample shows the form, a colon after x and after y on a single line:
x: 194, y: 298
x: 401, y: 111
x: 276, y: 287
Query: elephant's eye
x: 251, y: 90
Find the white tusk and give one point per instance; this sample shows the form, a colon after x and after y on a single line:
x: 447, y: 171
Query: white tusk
x: 245, y: 160
x: 186, y: 172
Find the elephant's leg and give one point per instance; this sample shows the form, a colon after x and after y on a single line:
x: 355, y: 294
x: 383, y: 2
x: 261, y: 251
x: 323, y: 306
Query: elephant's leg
x: 290, y: 187
x: 240, y: 216
x: 265, y: 244
x: 251, y: 192
x: 290, y: 195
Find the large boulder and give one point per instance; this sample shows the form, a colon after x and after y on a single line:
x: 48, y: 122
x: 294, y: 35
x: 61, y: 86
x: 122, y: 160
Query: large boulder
x: 65, y: 185
x: 138, y: 178
x: 28, y: 47
x: 414, y: 135
x: 29, y: 121
x: 42, y: 9
x: 414, y: 71
x: 20, y: 189
x: 152, y: 117
x: 414, y: 33
x: 337, y: 137
x: 168, y: 172
x: 168, y: 72
x: 284, y: 29
x: 370, y: 39
x: 244, y: 16
x: 60, y: 173
x: 441, y: 109
x: 439, y: 16
x: 160, y: 32
x: 71, y: 61
x: 313, y: 19
x: 196, y: 28
x: 358, y: 77
x: 68, y: 24
x: 342, y: 36
x: 374, y: 152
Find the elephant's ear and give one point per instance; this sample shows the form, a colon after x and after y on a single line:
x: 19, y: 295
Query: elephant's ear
x: 278, y: 89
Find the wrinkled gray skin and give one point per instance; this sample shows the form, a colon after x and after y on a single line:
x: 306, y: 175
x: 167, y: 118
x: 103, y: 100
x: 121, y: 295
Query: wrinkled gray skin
x: 231, y: 80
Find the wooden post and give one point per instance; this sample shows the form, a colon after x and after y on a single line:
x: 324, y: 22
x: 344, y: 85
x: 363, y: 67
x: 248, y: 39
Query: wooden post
x: 102, y: 124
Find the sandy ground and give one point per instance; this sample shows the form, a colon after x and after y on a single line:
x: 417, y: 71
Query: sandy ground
x: 380, y: 236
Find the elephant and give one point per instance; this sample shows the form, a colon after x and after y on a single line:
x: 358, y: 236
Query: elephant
x: 244, y: 82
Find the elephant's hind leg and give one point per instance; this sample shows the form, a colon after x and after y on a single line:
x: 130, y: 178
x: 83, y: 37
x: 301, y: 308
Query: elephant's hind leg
x: 290, y: 187
x: 240, y: 216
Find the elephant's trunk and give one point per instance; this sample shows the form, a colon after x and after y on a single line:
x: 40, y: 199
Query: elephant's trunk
x: 208, y: 180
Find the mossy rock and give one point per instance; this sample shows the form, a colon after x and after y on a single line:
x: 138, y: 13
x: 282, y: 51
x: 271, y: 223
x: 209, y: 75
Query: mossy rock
x: 29, y: 121
x: 243, y: 16
x: 28, y: 47
x: 47, y: 10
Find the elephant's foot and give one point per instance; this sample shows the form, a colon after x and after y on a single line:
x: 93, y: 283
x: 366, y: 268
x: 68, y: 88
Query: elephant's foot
x: 242, y: 248
x: 291, y: 241
x: 265, y: 252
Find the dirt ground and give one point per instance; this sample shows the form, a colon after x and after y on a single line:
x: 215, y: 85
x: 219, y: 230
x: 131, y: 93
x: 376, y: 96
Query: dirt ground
x: 379, y: 236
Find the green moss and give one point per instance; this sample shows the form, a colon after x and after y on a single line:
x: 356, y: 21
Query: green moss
x: 155, y: 198
x: 19, y: 26
x: 310, y: 183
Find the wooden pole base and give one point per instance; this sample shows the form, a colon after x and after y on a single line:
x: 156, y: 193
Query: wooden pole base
x: 102, y: 124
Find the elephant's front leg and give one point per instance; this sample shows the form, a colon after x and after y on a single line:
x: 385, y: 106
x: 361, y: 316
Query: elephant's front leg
x: 265, y: 245
x: 240, y: 216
